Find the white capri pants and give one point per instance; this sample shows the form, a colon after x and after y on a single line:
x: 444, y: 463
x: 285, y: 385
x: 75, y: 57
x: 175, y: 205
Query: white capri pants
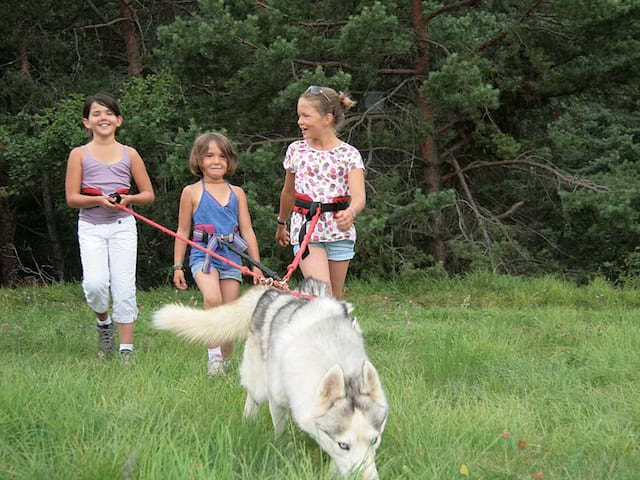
x: 108, y: 253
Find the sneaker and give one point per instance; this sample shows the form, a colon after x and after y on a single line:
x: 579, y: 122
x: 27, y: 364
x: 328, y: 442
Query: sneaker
x: 217, y: 366
x: 105, y: 338
x: 126, y: 356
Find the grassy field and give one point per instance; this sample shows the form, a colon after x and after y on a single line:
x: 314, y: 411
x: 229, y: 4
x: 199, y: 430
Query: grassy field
x: 488, y: 377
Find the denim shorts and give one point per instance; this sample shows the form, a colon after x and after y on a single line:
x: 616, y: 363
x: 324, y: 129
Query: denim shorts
x: 336, y: 251
x: 223, y: 274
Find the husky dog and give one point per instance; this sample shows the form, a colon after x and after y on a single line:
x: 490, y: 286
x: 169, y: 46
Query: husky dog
x: 305, y: 355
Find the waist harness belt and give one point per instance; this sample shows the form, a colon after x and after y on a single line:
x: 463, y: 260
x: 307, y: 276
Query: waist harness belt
x: 207, y: 234
x: 305, y: 206
x: 96, y: 192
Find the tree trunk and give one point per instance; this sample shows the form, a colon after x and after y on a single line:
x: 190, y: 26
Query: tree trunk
x: 23, y: 55
x: 432, y: 180
x: 52, y: 228
x: 8, y: 262
x: 131, y: 39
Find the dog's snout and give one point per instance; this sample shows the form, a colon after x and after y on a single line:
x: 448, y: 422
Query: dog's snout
x: 370, y: 473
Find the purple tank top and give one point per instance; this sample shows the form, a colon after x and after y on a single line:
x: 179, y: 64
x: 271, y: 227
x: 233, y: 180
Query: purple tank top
x: 107, y: 178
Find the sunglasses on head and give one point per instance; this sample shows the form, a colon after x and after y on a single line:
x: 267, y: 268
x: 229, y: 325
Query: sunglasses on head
x: 316, y: 90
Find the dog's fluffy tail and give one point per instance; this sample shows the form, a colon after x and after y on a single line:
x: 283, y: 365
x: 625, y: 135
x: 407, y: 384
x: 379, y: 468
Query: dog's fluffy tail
x: 216, y: 325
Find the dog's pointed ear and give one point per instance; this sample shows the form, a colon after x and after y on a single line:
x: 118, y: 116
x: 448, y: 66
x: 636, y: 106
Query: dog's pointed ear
x: 371, y: 383
x: 331, y: 388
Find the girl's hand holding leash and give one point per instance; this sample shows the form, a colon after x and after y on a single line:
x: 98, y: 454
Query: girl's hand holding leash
x: 124, y: 200
x: 109, y: 202
x: 178, y: 277
x: 257, y: 273
x: 121, y: 198
x: 282, y: 235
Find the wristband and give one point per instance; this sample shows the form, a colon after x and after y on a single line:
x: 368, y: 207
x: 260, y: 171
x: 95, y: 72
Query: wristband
x: 280, y: 222
x: 177, y: 266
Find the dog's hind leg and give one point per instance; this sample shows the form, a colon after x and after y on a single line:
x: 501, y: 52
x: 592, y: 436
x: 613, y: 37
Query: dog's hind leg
x: 279, y: 415
x: 253, y: 376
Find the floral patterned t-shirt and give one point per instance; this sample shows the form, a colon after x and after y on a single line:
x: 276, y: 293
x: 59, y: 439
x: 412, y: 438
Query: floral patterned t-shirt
x: 322, y: 175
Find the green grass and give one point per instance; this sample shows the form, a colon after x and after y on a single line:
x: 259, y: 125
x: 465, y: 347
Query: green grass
x: 505, y: 375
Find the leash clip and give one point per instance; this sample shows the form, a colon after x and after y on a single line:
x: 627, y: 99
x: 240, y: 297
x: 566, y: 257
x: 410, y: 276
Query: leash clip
x: 116, y: 196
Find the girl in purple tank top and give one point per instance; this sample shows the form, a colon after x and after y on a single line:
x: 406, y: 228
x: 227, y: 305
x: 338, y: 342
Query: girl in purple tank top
x: 107, y: 235
x: 215, y: 209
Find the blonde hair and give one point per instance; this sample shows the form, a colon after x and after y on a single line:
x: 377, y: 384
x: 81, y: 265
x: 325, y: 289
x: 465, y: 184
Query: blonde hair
x: 201, y: 147
x: 327, y: 100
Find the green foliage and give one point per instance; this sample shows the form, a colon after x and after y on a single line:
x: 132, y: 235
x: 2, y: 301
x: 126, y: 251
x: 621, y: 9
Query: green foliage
x: 599, y: 229
x: 370, y: 37
x: 151, y: 109
x: 595, y: 139
x: 39, y: 143
x: 522, y: 110
x: 630, y: 272
x: 458, y: 88
x: 396, y: 232
x: 506, y: 147
x: 174, y: 169
x: 259, y: 173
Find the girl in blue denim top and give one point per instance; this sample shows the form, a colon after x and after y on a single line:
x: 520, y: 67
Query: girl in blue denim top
x: 217, y: 212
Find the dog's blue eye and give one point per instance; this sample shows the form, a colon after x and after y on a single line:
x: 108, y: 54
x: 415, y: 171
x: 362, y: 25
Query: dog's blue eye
x: 374, y: 440
x: 343, y: 446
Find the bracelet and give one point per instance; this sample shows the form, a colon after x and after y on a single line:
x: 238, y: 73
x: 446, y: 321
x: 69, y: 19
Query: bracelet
x: 280, y: 222
x: 177, y: 266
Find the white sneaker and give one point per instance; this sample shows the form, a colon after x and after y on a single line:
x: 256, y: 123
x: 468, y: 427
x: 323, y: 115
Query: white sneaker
x: 217, y: 366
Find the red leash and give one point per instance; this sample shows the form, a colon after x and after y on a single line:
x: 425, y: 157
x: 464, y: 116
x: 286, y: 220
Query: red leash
x: 305, y: 242
x: 279, y: 284
x: 242, y: 268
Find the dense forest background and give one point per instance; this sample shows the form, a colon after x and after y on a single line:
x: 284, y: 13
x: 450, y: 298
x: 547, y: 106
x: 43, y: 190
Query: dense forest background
x: 498, y: 135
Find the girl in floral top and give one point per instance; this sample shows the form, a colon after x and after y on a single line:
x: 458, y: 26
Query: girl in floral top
x: 323, y: 168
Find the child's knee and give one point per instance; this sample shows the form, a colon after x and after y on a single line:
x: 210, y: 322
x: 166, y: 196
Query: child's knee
x: 96, y: 286
x: 211, y: 300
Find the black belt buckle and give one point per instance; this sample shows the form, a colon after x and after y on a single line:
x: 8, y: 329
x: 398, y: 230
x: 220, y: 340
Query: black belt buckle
x: 204, y: 236
x: 313, y: 206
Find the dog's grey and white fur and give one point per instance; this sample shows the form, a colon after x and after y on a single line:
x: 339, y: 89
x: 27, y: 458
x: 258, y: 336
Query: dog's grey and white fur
x: 305, y: 356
